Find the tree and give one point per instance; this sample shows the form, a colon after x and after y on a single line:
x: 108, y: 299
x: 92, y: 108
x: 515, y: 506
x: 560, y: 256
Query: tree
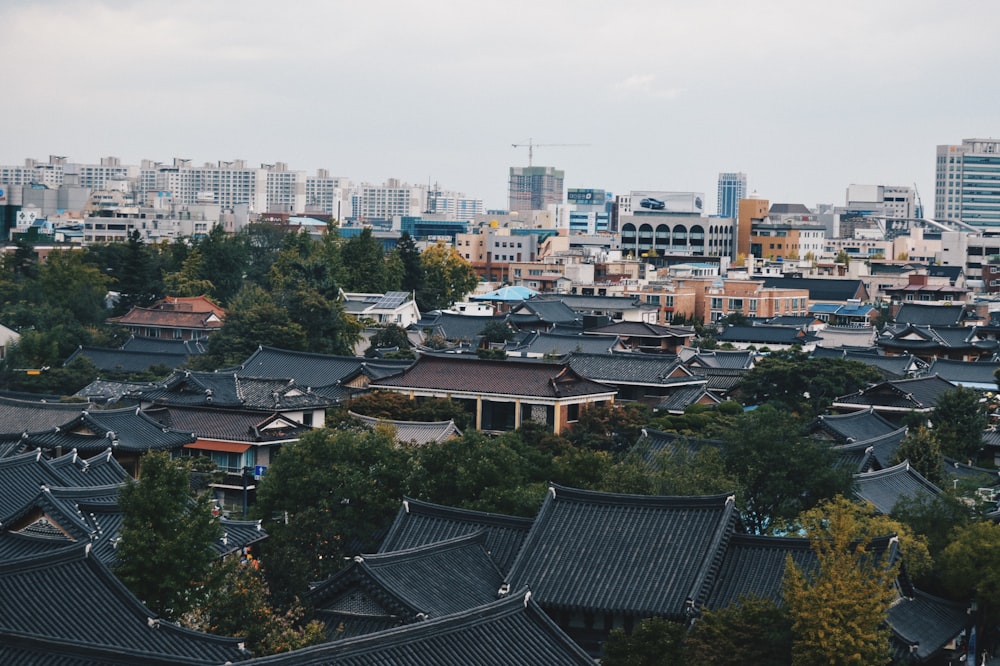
x: 364, y: 265
x: 839, y: 610
x: 386, y: 337
x: 340, y: 489
x: 254, y: 318
x: 137, y: 277
x: 238, y: 603
x: 780, y: 472
x: 655, y: 642
x: 188, y: 281
x: 497, y: 332
x: 970, y: 566
x: 226, y: 258
x: 748, y: 631
x: 933, y: 518
x: 167, y: 535
x: 447, y: 278
x: 922, y: 449
x: 69, y: 283
x: 959, y: 421
x: 412, y: 271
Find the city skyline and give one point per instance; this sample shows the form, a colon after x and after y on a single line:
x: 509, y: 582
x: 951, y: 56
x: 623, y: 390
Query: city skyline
x: 663, y: 96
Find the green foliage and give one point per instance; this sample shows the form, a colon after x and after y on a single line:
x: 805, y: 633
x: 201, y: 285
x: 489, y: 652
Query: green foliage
x: 970, y: 566
x: 167, y: 535
x: 237, y: 603
x: 654, y: 643
x: 392, y: 335
x: 497, y: 332
x: 225, y: 262
x: 136, y: 275
x: 748, y: 631
x: 392, y: 405
x: 959, y: 421
x: 801, y: 384
x: 189, y: 280
x: 700, y: 471
x: 609, y: 427
x: 411, y: 269
x: 254, y: 318
x: 839, y: 611
x: 922, y: 449
x: 780, y: 472
x: 364, y: 265
x: 933, y: 518
x: 340, y: 489
x: 447, y: 278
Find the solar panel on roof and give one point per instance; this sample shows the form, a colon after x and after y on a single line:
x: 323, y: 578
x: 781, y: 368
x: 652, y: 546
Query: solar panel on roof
x: 392, y: 300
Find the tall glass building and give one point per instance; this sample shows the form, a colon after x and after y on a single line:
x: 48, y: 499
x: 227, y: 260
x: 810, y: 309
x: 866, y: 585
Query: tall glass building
x: 967, y: 186
x: 732, y: 188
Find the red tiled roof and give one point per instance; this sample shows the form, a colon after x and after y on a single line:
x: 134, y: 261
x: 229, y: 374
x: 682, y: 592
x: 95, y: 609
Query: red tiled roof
x: 474, y: 375
x: 169, y: 318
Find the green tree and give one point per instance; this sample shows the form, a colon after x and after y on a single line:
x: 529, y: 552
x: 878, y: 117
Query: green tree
x: 69, y: 283
x: 655, y: 642
x: 780, y: 472
x: 412, y: 271
x: 254, y: 318
x: 226, y: 259
x: 167, y: 535
x: 922, y: 449
x: 959, y: 421
x: 447, y: 278
x: 340, y: 489
x: 189, y: 280
x: 748, y: 631
x: 238, y: 603
x: 264, y: 241
x: 934, y: 518
x: 970, y: 567
x: 137, y: 277
x: 839, y: 610
x: 497, y: 332
x: 392, y: 335
x: 364, y: 264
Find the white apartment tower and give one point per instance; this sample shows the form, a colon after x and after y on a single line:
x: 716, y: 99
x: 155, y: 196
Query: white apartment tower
x: 967, y: 186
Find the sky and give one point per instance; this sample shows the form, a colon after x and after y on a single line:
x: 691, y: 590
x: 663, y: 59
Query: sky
x: 804, y: 97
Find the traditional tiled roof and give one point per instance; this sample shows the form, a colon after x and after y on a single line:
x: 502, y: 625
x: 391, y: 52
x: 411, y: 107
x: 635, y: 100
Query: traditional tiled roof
x: 630, y: 554
x: 930, y: 315
x: 235, y: 425
x: 653, y: 445
x: 545, y: 311
x: 510, y: 632
x: 634, y: 369
x: 169, y: 319
x: 931, y: 340
x: 415, y: 432
x: 886, y: 487
x: 419, y: 523
x: 717, y: 358
x: 790, y: 320
x: 585, y: 303
x: 644, y: 330
x: 970, y: 374
x: 418, y: 583
x: 314, y: 370
x: 923, y: 624
x: 456, y: 327
x: 95, y: 431
x: 755, y: 566
x: 867, y: 454
x: 465, y: 374
x: 977, y: 476
x: 901, y: 395
x: 99, y: 470
x: 70, y: 604
x: 107, y: 392
x: 237, y: 535
x: 856, y: 426
x: 892, y: 367
x: 773, y: 335
x: 119, y: 360
x: 214, y: 389
x: 21, y: 479
x: 676, y: 401
x: 138, y: 343
x: 189, y: 304
x: 850, y: 336
x: 540, y: 343
x: 820, y: 289
x: 18, y: 416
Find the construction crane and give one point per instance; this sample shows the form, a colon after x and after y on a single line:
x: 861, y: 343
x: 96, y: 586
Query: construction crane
x: 531, y: 145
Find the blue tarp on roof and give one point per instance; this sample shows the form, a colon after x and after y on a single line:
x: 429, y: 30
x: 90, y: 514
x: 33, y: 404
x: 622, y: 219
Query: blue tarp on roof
x: 510, y: 294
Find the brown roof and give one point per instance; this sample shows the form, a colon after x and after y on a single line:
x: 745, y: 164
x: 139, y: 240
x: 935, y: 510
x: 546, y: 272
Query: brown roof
x: 189, y: 304
x: 474, y: 375
x: 168, y: 318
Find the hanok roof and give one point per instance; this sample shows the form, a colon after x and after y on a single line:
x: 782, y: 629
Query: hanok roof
x: 781, y: 335
x: 820, y: 289
x: 901, y: 395
x: 931, y: 340
x: 17, y: 416
x: 509, y: 632
x: 641, y: 329
x: 544, y: 310
x: 921, y: 314
x: 205, y: 321
x: 474, y: 375
x: 233, y: 390
x: 856, y: 426
x: 755, y: 566
x: 846, y: 336
x: 125, y: 429
x: 189, y: 304
x: 538, y: 343
x: 585, y: 303
x: 419, y: 523
x: 107, y: 392
x: 456, y: 327
x: 923, y: 624
x: 868, y: 454
x: 892, y: 367
x: 415, y: 432
x: 612, y: 553
x: 314, y: 370
x: 717, y: 358
x: 886, y: 487
x: 978, y: 375
x: 138, y: 343
x: 22, y: 478
x: 99, y: 470
x: 975, y: 476
x: 236, y: 425
x: 427, y: 581
x: 70, y: 604
x: 634, y: 369
x: 120, y: 360
x: 679, y: 399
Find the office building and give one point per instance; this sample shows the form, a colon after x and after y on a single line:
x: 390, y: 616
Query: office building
x: 967, y: 186
x: 732, y: 188
x: 534, y: 188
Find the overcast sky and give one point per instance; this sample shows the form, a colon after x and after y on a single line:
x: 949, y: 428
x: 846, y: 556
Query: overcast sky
x: 805, y: 97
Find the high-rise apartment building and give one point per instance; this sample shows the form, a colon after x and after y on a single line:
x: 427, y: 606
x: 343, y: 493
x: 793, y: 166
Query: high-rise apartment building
x: 967, y: 186
x: 534, y: 188
x: 381, y: 203
x: 732, y: 188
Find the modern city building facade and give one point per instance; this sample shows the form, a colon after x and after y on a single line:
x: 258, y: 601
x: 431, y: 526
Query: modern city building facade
x: 967, y: 183
x: 534, y: 188
x: 732, y: 188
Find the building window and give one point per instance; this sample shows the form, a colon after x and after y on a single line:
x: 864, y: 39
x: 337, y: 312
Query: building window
x: 573, y: 412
